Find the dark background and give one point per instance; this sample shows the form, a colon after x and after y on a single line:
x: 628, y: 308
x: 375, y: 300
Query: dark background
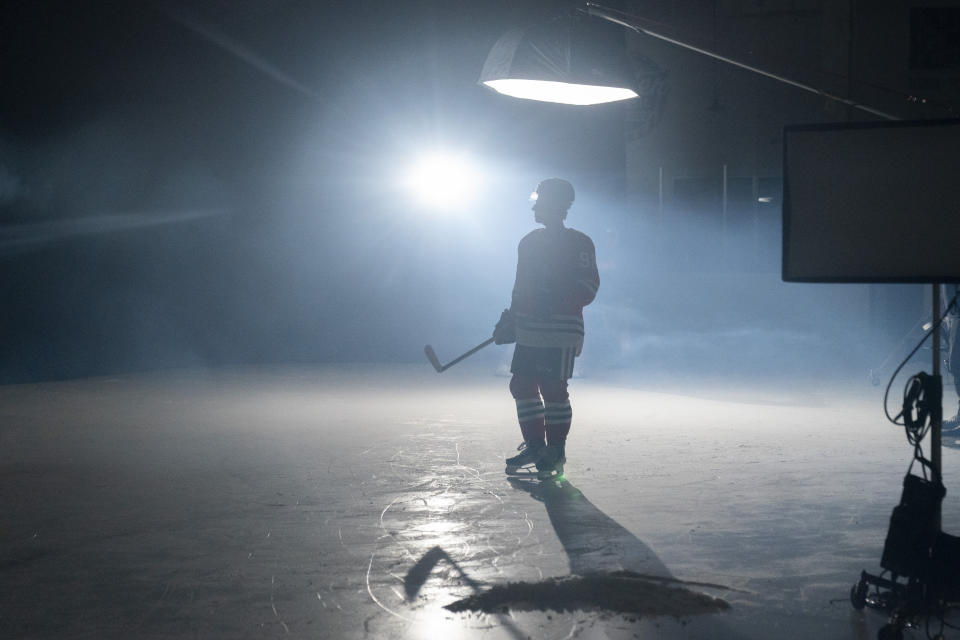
x: 217, y: 182
x: 220, y: 183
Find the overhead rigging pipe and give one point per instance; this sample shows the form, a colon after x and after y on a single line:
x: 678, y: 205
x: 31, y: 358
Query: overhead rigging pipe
x: 637, y: 25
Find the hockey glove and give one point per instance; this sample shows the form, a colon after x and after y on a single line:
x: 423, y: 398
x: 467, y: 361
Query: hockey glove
x: 506, y: 330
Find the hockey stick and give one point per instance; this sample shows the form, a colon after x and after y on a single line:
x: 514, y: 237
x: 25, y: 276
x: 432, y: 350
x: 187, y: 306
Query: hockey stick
x: 432, y: 356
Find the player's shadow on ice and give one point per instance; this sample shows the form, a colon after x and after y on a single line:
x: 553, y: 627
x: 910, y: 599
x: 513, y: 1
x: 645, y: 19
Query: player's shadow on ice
x: 611, y: 569
x: 594, y: 542
x: 418, y: 573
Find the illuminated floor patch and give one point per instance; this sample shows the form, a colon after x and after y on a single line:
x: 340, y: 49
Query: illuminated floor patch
x: 621, y: 592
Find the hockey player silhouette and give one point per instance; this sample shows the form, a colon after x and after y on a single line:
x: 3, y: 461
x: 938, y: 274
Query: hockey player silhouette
x: 556, y: 277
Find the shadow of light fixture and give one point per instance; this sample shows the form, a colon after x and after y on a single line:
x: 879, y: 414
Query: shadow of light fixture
x: 570, y: 59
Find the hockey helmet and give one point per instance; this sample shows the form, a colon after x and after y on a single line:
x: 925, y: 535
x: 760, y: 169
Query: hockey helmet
x: 554, y: 193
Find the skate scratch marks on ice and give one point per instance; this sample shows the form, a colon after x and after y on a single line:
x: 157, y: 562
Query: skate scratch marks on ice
x: 494, y: 495
x: 342, y: 543
x: 391, y: 534
x: 273, y: 582
x: 387, y: 508
x: 166, y: 589
x: 529, y: 527
x: 376, y: 600
x: 475, y: 472
x: 573, y: 631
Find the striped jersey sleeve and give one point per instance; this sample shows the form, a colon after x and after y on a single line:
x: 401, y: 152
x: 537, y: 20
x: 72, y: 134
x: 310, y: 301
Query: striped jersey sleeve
x: 585, y: 279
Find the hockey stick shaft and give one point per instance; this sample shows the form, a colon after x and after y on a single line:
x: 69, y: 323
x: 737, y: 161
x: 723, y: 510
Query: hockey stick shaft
x: 432, y: 356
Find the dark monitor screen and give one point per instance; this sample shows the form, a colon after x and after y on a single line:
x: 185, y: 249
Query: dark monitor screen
x: 875, y: 202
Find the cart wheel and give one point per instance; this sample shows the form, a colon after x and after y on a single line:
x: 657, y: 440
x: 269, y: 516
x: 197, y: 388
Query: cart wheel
x: 858, y: 595
x: 890, y: 632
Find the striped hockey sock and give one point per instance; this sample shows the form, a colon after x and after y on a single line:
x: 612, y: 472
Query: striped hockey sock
x: 530, y: 415
x: 557, y: 417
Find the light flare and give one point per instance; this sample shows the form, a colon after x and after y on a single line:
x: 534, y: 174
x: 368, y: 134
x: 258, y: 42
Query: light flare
x: 443, y: 180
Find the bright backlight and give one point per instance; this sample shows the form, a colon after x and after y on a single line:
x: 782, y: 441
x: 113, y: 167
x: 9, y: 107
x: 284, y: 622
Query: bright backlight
x: 443, y: 180
x: 546, y: 91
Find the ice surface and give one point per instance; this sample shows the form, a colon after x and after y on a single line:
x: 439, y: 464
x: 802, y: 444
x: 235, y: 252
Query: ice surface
x: 356, y: 502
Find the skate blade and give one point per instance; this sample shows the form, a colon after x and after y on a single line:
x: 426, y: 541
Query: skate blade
x: 529, y: 470
x: 551, y: 474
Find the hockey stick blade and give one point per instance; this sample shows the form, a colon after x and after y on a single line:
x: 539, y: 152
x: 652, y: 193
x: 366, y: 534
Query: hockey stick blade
x: 432, y: 357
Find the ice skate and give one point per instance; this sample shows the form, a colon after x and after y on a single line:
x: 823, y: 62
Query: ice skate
x: 551, y: 461
x: 523, y: 463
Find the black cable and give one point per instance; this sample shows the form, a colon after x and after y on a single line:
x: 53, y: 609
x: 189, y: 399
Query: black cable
x: 907, y: 359
x: 917, y: 430
x: 919, y: 322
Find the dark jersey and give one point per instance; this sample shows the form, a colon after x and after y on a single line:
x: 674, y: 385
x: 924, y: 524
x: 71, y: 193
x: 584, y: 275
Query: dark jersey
x: 556, y: 277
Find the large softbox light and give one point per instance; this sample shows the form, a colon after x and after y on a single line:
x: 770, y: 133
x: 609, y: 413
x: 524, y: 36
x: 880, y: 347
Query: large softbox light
x: 570, y: 60
x: 872, y: 202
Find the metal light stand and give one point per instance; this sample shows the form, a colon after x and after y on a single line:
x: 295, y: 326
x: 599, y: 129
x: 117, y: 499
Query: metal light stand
x: 916, y: 549
x: 936, y: 421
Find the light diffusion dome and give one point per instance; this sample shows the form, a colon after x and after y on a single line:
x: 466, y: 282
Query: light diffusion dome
x: 561, y: 92
x: 569, y: 60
